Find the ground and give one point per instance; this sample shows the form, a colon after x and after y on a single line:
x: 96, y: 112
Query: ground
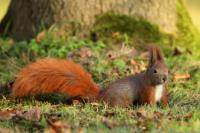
x: 106, y: 63
x: 117, y: 54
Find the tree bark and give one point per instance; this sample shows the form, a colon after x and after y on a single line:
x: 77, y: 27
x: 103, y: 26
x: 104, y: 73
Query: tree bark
x: 28, y: 16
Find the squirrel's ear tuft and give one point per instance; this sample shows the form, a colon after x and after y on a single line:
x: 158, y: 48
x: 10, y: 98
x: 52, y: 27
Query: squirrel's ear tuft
x: 159, y: 55
x: 152, y: 55
x: 155, y: 55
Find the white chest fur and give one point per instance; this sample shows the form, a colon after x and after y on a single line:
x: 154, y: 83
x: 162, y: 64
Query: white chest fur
x: 158, y: 92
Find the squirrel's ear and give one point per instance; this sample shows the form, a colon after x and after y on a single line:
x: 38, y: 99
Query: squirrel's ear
x: 152, y: 55
x: 159, y: 55
x: 155, y: 55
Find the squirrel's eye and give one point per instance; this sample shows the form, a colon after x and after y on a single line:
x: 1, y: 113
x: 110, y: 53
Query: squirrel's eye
x: 154, y: 71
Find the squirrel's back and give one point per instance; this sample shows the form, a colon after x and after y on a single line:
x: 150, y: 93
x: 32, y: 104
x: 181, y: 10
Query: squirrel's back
x: 123, y: 92
x: 54, y: 75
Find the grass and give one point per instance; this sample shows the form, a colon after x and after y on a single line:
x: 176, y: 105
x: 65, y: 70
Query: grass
x: 184, y: 99
x: 108, y: 60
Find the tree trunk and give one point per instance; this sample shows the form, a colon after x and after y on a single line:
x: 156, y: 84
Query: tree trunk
x: 29, y: 15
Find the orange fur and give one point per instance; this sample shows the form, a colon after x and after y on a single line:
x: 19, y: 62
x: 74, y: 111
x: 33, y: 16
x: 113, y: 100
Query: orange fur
x: 54, y: 75
x: 164, y: 98
x: 147, y: 96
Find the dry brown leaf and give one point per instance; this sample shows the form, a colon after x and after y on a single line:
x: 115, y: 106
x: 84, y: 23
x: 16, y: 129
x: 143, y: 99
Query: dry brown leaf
x: 115, y: 34
x: 187, y: 116
x: 40, y: 36
x: 141, y: 113
x: 158, y: 114
x: 85, y: 52
x: 133, y: 62
x: 32, y: 115
x: 181, y: 76
x: 5, y: 130
x: 7, y: 115
x: 57, y: 126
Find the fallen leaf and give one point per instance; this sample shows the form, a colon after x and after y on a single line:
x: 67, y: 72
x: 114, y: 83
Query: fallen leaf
x: 7, y: 115
x: 133, y: 62
x: 5, y: 130
x: 181, y: 76
x: 40, y: 36
x: 141, y: 113
x: 158, y: 114
x: 57, y: 126
x: 85, y: 52
x: 187, y: 116
x: 32, y: 115
x: 115, y: 34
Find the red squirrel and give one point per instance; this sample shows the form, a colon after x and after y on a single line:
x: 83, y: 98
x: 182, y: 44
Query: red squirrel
x: 148, y: 87
x: 64, y: 76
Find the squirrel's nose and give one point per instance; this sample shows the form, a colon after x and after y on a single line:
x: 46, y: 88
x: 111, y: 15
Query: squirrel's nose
x: 164, y: 78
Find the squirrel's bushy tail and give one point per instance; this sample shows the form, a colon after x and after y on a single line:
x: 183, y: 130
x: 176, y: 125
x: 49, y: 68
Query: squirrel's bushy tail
x: 54, y: 75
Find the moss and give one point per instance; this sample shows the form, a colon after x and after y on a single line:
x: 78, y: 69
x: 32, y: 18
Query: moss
x: 187, y: 35
x: 110, y: 22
